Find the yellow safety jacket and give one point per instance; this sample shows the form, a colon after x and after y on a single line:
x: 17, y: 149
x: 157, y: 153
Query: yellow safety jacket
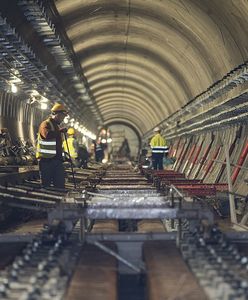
x: 158, y: 144
x: 71, y: 145
x: 46, y: 148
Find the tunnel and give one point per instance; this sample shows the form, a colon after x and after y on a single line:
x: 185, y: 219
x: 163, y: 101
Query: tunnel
x: 123, y: 149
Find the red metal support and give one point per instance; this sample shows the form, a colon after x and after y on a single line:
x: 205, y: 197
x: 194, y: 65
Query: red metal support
x: 205, y: 154
x: 184, y: 152
x: 194, y: 159
x: 189, y: 157
x: 240, y: 163
x: 232, y: 147
x: 211, y: 161
x: 180, y: 151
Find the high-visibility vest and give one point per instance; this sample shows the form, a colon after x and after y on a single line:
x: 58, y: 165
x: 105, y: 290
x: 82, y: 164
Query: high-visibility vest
x: 46, y: 148
x: 158, y: 144
x: 72, y: 150
x: 98, y: 147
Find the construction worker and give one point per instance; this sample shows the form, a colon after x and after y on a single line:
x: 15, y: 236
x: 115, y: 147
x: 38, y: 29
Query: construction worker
x: 159, y: 148
x: 49, y: 148
x: 99, y: 154
x: 73, y: 147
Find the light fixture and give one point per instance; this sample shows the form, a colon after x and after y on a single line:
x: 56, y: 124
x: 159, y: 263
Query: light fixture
x: 92, y: 136
x: 43, y: 99
x: 43, y: 105
x: 16, y: 80
x: 14, y: 88
x: 109, y: 140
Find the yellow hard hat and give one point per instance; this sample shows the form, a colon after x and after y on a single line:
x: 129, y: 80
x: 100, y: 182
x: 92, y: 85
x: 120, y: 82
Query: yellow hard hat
x: 71, y: 131
x: 58, y: 108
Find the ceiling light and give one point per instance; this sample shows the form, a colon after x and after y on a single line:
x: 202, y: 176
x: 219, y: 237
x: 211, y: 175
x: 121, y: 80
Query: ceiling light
x: 43, y: 105
x: 16, y: 80
x: 14, y: 88
x: 43, y: 99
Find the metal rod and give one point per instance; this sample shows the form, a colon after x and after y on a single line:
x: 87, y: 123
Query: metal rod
x: 73, y: 175
x: 231, y: 164
x: 172, y: 205
x: 235, y: 194
x: 100, y: 195
x: 244, y: 219
x: 230, y: 186
x: 179, y: 227
x: 129, y: 237
x: 82, y: 230
x: 120, y: 258
x: 15, y: 198
x: 177, y: 191
x: 32, y: 193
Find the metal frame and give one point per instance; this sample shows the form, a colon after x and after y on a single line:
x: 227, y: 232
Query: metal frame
x: 35, y: 13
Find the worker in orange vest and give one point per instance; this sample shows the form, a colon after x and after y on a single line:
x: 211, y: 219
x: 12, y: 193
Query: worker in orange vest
x: 49, y: 148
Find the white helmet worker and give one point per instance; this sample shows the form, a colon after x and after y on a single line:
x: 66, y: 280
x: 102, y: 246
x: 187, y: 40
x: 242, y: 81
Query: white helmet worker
x: 156, y: 129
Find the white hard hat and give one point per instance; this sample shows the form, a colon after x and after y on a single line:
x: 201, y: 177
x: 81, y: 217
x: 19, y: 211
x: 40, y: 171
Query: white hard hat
x: 156, y: 129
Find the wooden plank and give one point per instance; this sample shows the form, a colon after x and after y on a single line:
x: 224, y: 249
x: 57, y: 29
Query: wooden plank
x: 168, y: 277
x: 95, y: 277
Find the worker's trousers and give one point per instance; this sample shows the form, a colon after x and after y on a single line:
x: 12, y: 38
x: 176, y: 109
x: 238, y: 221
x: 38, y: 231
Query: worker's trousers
x: 157, y: 161
x: 52, y: 172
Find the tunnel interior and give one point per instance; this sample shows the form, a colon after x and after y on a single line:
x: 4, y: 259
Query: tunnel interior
x: 143, y: 63
x: 123, y: 225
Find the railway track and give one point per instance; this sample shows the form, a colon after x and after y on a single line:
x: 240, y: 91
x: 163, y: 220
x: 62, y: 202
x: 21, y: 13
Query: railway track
x: 109, y: 239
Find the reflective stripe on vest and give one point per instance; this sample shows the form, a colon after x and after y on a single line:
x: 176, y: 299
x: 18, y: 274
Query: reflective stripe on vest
x: 158, y: 144
x: 160, y: 149
x: 48, y: 143
x: 46, y: 148
x: 98, y: 147
x: 72, y: 150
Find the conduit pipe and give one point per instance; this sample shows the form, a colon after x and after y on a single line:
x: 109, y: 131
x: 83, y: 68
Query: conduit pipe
x: 230, y: 186
x: 234, y: 78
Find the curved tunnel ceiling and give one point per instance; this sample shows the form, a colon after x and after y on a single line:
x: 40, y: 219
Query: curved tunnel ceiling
x: 144, y: 60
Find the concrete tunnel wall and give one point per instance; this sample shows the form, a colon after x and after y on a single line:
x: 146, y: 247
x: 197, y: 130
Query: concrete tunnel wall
x: 156, y: 55
x: 143, y: 60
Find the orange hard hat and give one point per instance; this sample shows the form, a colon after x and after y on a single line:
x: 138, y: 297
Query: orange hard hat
x: 57, y: 108
x: 71, y: 131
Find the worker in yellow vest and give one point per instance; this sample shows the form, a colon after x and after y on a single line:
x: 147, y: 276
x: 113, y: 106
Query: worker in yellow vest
x: 73, y: 147
x: 159, y: 149
x: 49, y: 148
